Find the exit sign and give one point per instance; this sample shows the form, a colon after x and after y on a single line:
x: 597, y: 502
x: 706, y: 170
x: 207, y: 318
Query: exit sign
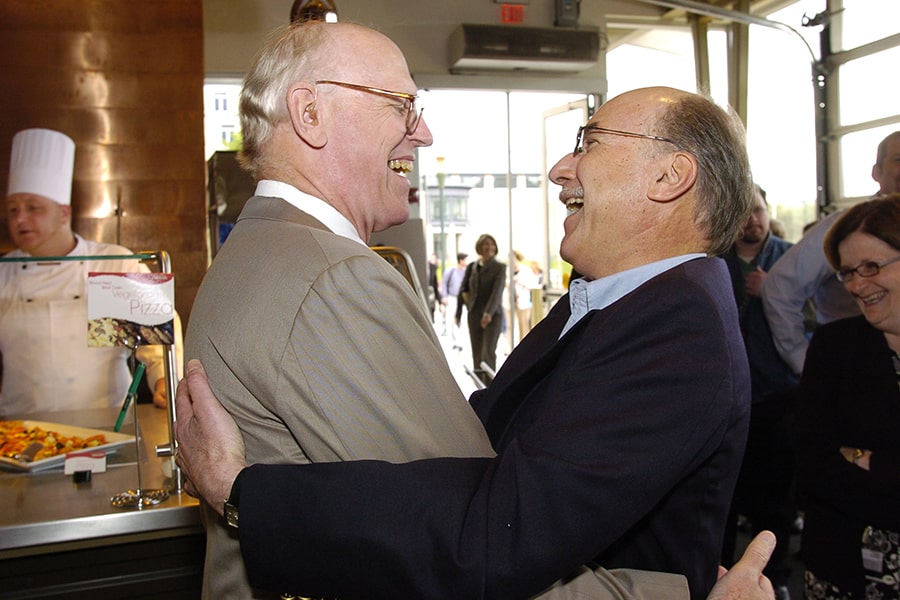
x: 512, y: 13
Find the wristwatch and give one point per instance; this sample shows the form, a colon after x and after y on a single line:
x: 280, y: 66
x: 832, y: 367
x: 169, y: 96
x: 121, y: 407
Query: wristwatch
x: 231, y: 504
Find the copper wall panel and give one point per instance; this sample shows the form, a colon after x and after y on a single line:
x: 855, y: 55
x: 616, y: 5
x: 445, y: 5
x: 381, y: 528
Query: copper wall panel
x: 177, y: 198
x: 113, y: 125
x: 125, y: 80
x: 101, y: 89
x: 106, y: 51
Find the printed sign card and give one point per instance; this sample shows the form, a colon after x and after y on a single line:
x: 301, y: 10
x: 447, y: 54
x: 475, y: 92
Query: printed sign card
x: 130, y: 309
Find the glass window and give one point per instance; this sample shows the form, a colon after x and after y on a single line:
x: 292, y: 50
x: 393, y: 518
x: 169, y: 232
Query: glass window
x: 661, y: 57
x: 858, y: 154
x: 781, y: 134
x: 470, y: 133
x: 718, y: 65
x: 228, y: 136
x: 859, y: 101
x: 865, y: 21
x: 220, y: 114
x: 672, y: 55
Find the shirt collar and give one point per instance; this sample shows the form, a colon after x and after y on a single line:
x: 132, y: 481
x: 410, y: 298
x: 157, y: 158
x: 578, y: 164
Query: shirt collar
x: 585, y: 296
x: 315, y: 207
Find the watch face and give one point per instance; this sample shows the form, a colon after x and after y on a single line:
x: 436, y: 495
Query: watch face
x: 231, y: 515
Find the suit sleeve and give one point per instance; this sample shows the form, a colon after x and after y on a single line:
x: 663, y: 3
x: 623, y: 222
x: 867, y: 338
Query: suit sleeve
x: 495, y: 300
x: 840, y: 407
x: 597, y: 583
x: 463, y: 291
x: 596, y: 458
x: 791, y: 281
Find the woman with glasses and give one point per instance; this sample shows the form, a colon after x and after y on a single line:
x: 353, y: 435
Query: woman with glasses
x: 848, y: 423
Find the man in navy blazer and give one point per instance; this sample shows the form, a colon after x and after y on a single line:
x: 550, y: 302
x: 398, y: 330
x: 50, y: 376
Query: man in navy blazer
x: 619, y: 422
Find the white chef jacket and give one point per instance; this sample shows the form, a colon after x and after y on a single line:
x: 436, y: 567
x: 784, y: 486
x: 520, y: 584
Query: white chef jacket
x: 47, y: 364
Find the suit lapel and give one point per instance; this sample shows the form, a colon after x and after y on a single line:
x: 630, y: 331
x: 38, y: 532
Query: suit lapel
x: 529, y: 363
x: 476, y: 279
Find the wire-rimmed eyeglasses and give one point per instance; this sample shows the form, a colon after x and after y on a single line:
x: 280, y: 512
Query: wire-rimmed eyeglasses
x: 579, y: 140
x: 412, y: 115
x: 869, y: 268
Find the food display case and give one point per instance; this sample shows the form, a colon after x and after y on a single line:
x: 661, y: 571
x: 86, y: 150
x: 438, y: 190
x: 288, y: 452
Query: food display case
x: 62, y: 539
x: 128, y: 531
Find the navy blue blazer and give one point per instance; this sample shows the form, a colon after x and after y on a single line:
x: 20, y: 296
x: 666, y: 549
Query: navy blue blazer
x: 620, y: 441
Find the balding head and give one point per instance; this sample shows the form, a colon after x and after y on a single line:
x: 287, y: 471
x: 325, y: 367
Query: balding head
x: 663, y: 172
x: 886, y: 170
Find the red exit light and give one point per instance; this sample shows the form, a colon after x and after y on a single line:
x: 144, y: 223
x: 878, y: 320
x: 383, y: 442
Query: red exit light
x: 512, y: 13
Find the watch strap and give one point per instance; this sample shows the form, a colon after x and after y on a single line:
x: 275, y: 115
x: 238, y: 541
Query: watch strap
x: 230, y: 509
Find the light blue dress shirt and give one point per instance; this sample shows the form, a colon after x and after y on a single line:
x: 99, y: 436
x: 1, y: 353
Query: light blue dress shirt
x: 585, y: 296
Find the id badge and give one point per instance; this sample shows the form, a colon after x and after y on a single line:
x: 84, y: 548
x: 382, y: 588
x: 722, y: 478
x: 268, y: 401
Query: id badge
x: 873, y: 560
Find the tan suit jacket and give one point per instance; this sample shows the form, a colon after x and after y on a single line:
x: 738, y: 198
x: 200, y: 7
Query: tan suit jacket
x: 618, y: 584
x: 321, y: 351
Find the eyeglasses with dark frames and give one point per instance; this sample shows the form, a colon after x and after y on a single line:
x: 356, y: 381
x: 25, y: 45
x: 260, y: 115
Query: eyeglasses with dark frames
x: 867, y: 269
x: 412, y: 116
x: 579, y: 140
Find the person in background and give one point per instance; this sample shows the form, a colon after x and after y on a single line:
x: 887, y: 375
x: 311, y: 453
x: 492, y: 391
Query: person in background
x: 803, y: 272
x: 538, y: 273
x: 47, y: 365
x: 436, y: 304
x: 450, y: 286
x: 525, y: 281
x: 539, y: 276
x: 777, y: 228
x: 849, y: 417
x: 619, y: 430
x: 482, y: 292
x: 764, y: 486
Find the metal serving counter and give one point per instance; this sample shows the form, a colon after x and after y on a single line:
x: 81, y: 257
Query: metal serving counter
x: 48, y: 523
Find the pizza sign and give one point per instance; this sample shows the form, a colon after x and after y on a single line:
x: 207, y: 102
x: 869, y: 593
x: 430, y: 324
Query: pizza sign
x: 130, y: 309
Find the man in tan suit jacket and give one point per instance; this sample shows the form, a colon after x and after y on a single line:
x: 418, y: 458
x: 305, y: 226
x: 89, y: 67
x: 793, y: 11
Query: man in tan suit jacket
x: 316, y: 345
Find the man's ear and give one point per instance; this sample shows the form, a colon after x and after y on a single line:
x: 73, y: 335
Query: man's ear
x: 302, y: 104
x: 677, y: 176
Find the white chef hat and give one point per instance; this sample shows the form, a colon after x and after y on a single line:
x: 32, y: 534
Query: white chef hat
x: 42, y: 162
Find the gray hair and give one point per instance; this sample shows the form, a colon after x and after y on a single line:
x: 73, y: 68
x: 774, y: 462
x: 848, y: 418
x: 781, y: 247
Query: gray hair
x: 290, y: 54
x: 716, y: 138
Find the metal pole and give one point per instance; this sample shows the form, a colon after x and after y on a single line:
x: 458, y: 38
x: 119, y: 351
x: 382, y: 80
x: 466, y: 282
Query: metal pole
x: 511, y: 257
x: 165, y: 265
x: 442, y: 177
x: 821, y: 80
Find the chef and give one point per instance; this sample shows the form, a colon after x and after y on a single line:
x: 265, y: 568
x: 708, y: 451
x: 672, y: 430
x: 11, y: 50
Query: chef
x: 47, y: 365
